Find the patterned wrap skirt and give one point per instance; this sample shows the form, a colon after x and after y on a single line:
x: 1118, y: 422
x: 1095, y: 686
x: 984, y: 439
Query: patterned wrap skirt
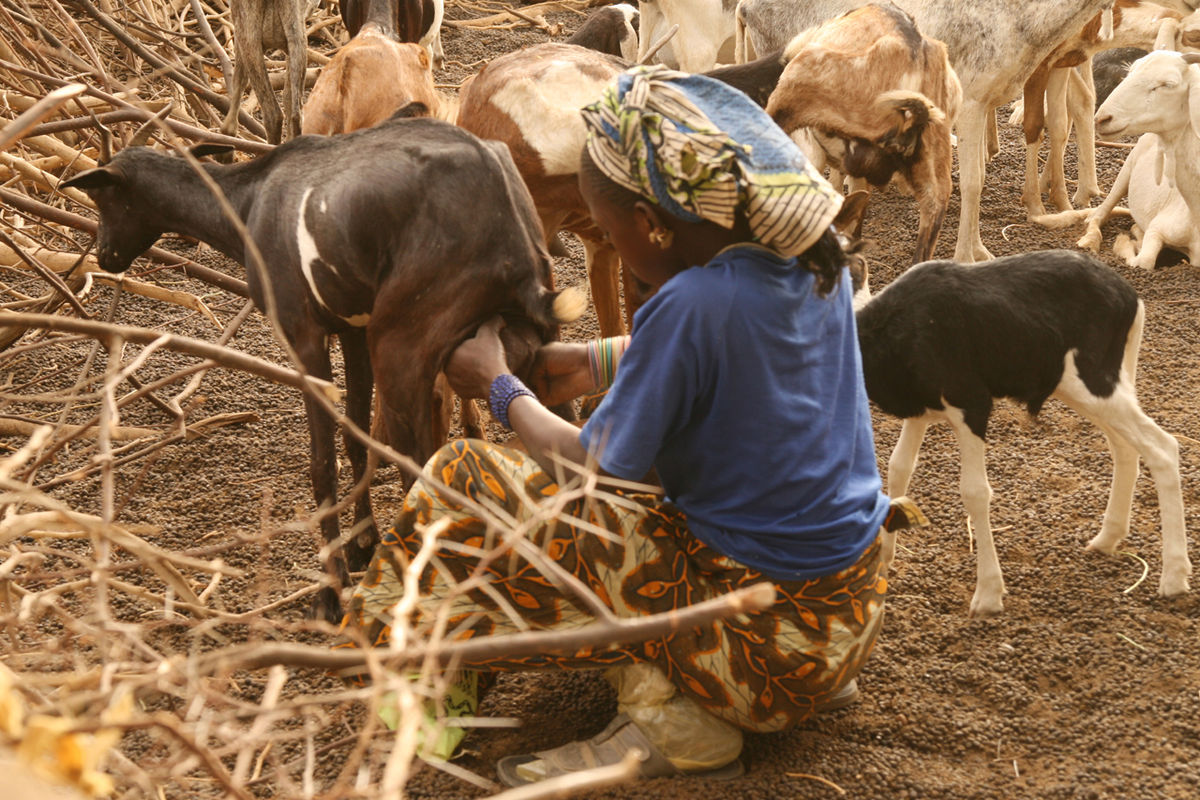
x: 762, y: 671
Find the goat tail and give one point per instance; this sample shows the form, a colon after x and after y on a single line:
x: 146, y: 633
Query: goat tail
x: 567, y: 305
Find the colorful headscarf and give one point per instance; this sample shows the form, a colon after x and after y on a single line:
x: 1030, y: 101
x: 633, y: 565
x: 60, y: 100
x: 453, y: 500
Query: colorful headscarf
x: 703, y: 150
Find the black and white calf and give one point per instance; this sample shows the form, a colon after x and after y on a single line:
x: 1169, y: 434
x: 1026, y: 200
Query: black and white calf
x: 942, y: 341
x: 401, y: 240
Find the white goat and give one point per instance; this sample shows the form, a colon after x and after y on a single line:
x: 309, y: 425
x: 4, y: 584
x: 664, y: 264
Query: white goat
x: 1161, y: 96
x: 994, y: 46
x: 943, y: 340
x: 705, y: 31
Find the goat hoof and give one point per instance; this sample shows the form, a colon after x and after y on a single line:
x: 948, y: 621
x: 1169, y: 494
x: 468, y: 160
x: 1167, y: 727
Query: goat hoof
x: 361, y: 549
x: 983, y: 607
x: 1105, y: 544
x: 1173, y: 585
x: 327, y: 606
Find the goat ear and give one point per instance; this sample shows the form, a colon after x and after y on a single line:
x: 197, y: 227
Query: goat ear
x: 1194, y: 98
x: 92, y: 179
x: 210, y: 149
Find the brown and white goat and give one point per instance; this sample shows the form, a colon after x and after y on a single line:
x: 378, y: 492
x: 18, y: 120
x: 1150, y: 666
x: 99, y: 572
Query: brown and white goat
x: 375, y: 237
x: 881, y: 99
x: 530, y: 100
x: 370, y: 78
x: 259, y: 26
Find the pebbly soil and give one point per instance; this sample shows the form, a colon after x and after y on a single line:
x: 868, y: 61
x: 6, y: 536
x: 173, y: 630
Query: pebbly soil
x: 1088, y: 686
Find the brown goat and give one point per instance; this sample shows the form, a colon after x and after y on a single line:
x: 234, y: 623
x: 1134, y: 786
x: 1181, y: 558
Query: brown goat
x: 852, y: 80
x: 259, y: 26
x: 369, y: 79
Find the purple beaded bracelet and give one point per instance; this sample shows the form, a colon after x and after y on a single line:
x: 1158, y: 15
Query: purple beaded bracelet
x: 505, y: 389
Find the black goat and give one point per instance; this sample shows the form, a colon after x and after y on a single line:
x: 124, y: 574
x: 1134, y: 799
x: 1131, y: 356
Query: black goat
x: 943, y: 340
x: 400, y: 239
x: 609, y: 30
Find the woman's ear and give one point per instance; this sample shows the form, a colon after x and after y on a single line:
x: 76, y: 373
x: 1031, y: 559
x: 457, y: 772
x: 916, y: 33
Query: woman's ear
x: 648, y: 217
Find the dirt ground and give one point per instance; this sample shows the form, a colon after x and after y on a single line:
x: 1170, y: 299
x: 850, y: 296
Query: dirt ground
x: 1088, y: 686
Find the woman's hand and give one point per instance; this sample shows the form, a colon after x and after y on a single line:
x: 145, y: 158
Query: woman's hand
x: 561, y: 373
x: 477, y: 361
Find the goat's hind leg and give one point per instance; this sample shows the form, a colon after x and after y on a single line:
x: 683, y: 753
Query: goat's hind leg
x: 1131, y: 432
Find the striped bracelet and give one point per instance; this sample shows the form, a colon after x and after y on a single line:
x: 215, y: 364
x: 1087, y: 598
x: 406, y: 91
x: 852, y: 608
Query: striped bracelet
x: 506, y: 388
x: 603, y: 357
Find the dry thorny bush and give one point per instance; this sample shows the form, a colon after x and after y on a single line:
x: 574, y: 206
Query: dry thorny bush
x: 124, y: 668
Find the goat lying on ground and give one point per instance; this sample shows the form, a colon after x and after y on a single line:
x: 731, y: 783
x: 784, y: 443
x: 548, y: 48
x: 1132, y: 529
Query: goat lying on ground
x: 943, y: 340
x: 418, y: 21
x: 1160, y: 95
x: 1056, y: 95
x: 881, y: 100
x: 258, y: 26
x: 370, y: 78
x: 375, y: 237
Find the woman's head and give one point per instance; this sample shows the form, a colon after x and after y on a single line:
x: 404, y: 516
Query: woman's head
x: 678, y: 166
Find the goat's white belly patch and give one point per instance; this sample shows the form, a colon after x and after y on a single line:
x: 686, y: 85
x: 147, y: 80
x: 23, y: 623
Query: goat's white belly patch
x: 547, y: 113
x: 310, y: 256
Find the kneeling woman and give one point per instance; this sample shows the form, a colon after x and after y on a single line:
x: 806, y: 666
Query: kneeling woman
x: 741, y: 388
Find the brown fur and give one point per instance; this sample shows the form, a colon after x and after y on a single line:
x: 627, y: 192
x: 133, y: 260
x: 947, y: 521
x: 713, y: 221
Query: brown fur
x: 846, y: 78
x: 557, y: 198
x: 367, y: 81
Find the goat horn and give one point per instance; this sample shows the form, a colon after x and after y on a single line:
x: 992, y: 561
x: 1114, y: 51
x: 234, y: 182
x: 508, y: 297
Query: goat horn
x: 142, y: 135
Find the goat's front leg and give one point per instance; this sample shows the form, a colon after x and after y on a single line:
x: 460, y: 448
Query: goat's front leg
x: 297, y: 59
x: 313, y: 354
x: 1092, y: 236
x: 972, y: 121
x: 977, y: 497
x: 357, y: 359
x: 901, y: 465
x: 1081, y: 103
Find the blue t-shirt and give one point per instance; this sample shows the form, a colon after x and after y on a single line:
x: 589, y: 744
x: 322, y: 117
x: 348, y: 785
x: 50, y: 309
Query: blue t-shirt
x: 745, y: 390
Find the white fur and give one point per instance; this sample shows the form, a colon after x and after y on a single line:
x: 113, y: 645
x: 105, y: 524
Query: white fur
x: 547, y: 113
x: 1129, y: 433
x: 705, y: 31
x: 309, y: 254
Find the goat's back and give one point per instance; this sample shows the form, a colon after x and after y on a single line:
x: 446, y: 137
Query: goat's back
x: 366, y: 81
x: 967, y: 334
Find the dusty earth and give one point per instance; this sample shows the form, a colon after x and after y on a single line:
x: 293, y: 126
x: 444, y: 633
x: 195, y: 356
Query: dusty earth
x: 1088, y: 686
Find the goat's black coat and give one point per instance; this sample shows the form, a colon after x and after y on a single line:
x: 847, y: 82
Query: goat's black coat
x: 756, y: 78
x: 603, y: 31
x: 419, y: 224
x: 968, y: 334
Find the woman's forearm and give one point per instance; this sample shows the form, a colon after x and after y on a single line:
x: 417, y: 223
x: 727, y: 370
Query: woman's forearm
x: 545, y: 434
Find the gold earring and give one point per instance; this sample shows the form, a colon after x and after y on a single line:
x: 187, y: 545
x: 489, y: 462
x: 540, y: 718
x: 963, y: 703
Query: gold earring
x: 662, y: 237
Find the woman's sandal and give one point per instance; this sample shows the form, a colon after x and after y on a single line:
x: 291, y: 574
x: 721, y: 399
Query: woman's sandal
x: 607, y: 747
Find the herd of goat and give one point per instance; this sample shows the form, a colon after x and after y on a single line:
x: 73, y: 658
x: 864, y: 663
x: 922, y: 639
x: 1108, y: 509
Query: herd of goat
x: 356, y: 230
